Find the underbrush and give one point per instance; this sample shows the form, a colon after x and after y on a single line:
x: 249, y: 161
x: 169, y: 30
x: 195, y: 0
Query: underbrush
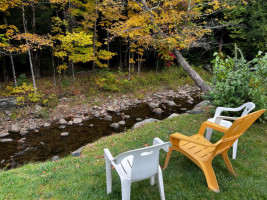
x: 104, y: 83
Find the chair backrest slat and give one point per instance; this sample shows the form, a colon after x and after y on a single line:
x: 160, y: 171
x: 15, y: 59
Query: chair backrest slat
x: 236, y: 130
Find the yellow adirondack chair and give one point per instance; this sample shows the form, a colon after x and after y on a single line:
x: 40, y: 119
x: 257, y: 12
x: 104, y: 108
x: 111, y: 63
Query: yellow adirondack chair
x: 202, y: 152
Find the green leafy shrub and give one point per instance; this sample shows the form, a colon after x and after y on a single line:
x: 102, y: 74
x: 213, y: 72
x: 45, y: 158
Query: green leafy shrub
x: 22, y: 79
x: 235, y: 83
x: 109, y: 81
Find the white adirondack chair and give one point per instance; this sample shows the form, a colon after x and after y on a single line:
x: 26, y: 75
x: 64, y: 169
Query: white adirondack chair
x: 136, y: 165
x: 218, y: 119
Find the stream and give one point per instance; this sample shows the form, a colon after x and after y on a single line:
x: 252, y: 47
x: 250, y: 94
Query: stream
x: 48, y: 142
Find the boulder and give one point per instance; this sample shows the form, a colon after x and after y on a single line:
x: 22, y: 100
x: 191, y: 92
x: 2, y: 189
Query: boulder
x: 153, y: 105
x: 157, y: 111
x: 38, y: 108
x: 32, y: 126
x: 62, y: 127
x: 138, y: 119
x: 146, y: 121
x: 108, y: 118
x: 70, y: 123
x: 15, y: 128
x: 63, y: 122
x: 78, y: 152
x: 77, y: 120
x: 64, y: 134
x: 22, y: 133
x: 46, y: 124
x: 4, y: 135
x: 171, y: 103
x: 6, y: 140
x: 55, y: 158
x: 127, y: 116
x: 173, y: 115
x: 91, y: 125
x: 122, y: 123
x: 115, y: 125
x: 97, y: 114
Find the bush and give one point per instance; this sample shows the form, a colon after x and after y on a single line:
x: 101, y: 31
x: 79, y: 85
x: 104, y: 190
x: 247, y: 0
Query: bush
x: 235, y: 82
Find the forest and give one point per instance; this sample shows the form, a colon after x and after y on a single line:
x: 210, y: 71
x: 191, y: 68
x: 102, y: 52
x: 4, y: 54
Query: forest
x: 72, y: 46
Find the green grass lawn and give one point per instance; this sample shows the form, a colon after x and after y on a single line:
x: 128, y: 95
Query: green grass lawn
x: 84, y: 177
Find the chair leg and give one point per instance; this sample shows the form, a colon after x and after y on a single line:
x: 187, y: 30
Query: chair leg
x: 152, y: 180
x: 108, y: 176
x: 168, y: 157
x: 125, y: 189
x: 210, y: 176
x: 208, y: 133
x: 160, y: 183
x: 228, y: 163
x: 235, y: 149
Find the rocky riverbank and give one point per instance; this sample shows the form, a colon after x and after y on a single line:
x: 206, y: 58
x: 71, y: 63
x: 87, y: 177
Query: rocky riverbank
x: 81, y: 111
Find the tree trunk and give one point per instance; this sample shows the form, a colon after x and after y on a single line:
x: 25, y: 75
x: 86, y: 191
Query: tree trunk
x: 221, y: 42
x: 108, y: 49
x: 120, y: 65
x: 94, y: 37
x: 192, y: 73
x: 35, y: 54
x: 13, y: 69
x: 5, y: 76
x: 54, y: 70
x: 72, y: 67
x: 29, y: 51
x: 125, y: 56
x: 129, y: 72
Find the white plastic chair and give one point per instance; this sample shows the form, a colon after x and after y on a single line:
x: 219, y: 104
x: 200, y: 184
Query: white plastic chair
x: 136, y: 165
x: 218, y: 119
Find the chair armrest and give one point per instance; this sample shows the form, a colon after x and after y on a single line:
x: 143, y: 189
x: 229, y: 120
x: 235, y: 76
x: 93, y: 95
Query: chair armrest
x: 157, y: 141
x: 212, y: 125
x: 108, y: 155
x: 219, y: 110
x: 184, y: 137
x: 218, y: 119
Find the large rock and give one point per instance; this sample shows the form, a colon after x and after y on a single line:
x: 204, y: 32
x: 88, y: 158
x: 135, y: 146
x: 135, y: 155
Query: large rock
x: 146, y: 121
x: 63, y: 122
x: 153, y: 105
x: 64, y: 134
x: 78, y: 152
x: 32, y: 126
x: 6, y: 140
x: 199, y: 108
x: 4, y: 135
x: 77, y: 120
x: 7, y: 103
x: 173, y: 115
x: 108, y: 118
x: 115, y: 125
x: 14, y: 128
x: 97, y: 114
x: 46, y: 124
x: 70, y: 123
x: 171, y: 103
x: 122, y: 123
x: 38, y: 108
x: 157, y: 111
x: 55, y: 158
x: 23, y: 132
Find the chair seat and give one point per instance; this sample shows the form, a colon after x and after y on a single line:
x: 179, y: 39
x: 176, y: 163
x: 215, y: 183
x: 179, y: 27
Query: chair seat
x: 124, y: 168
x: 224, y: 123
x: 197, y: 151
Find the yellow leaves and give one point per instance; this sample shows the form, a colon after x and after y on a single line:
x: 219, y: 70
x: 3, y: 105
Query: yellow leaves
x: 131, y: 60
x: 62, y: 67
